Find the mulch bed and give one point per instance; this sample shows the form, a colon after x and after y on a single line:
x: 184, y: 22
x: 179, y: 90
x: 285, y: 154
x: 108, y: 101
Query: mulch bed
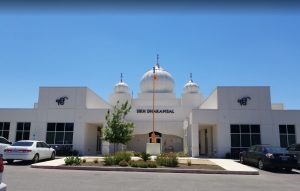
x: 180, y: 166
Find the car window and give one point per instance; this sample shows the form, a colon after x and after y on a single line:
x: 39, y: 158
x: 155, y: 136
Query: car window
x: 291, y: 148
x: 45, y: 145
x: 2, y: 140
x: 39, y: 145
x: 20, y: 143
x: 297, y: 148
x: 251, y: 149
x: 276, y: 150
x: 258, y: 149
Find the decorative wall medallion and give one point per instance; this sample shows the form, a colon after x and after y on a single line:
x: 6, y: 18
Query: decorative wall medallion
x: 243, y: 100
x: 61, y: 100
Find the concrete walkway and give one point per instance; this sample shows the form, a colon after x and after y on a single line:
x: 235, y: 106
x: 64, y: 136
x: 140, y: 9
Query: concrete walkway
x: 230, y: 166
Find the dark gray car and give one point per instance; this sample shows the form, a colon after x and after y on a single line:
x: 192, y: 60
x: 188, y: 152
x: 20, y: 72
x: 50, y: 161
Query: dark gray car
x: 295, y: 149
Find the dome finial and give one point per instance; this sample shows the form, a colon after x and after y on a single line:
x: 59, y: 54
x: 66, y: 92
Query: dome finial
x: 191, y: 77
x: 121, y: 76
x: 157, y: 60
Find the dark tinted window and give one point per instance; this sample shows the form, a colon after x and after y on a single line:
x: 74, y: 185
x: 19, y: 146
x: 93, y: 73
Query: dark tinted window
x: 27, y: 127
x: 45, y: 145
x: 60, y: 127
x: 51, y: 127
x: 282, y: 129
x: 6, y: 126
x: 19, y: 126
x: 291, y: 129
x: 1, y: 126
x: 69, y: 126
x: 245, y: 138
x: 235, y: 140
x: 255, y: 128
x: 255, y: 139
x: 245, y: 129
x: 235, y: 129
x: 297, y: 147
x: 20, y: 143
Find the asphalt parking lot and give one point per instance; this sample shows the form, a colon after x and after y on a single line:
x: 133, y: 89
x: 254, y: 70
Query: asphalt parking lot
x: 20, y: 176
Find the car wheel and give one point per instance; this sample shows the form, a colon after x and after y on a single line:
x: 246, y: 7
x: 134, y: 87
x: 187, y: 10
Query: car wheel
x: 242, y: 160
x: 261, y: 165
x: 35, y: 158
x: 10, y: 161
x: 53, y: 156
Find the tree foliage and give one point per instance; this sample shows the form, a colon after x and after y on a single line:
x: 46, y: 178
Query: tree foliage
x: 117, y: 129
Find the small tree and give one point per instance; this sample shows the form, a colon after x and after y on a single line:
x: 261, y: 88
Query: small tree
x: 117, y: 129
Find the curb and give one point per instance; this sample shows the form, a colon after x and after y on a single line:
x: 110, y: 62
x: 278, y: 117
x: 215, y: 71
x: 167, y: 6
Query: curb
x: 159, y: 170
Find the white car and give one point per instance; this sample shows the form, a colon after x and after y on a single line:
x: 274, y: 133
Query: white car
x: 3, y: 144
x: 28, y: 150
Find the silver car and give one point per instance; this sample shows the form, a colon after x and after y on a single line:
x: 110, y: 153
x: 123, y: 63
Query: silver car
x: 3, y: 144
x: 29, y: 150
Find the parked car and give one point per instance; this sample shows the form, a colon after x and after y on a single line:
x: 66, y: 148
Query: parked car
x: 3, y: 144
x: 2, y: 185
x: 28, y: 150
x: 295, y: 149
x: 266, y: 156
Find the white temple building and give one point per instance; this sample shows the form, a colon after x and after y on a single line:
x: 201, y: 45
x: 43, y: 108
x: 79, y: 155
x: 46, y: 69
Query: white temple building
x: 230, y: 119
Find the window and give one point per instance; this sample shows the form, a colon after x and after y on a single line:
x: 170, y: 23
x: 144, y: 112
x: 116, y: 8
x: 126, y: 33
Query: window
x: 287, y: 135
x: 4, y: 129
x: 23, y: 131
x: 60, y: 133
x: 243, y: 136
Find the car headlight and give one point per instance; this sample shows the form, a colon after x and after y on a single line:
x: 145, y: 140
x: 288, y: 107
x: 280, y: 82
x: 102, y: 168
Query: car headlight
x: 270, y: 155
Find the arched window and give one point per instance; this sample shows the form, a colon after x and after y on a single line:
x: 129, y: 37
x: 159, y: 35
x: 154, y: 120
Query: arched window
x: 158, y: 137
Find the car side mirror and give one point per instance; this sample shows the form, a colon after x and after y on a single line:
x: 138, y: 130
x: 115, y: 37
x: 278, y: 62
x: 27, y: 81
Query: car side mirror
x: 9, y: 142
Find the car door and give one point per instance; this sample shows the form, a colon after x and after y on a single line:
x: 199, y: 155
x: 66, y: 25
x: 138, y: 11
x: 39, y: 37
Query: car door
x: 47, y: 150
x: 249, y: 154
x: 40, y: 150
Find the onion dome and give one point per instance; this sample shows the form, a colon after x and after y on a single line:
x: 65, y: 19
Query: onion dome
x: 121, y: 87
x: 164, y: 82
x: 190, y: 86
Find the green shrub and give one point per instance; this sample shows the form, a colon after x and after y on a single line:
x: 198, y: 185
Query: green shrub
x: 122, y: 155
x: 151, y: 164
x: 189, y: 162
x: 136, y: 154
x: 142, y: 164
x: 145, y: 156
x: 123, y: 163
x: 109, y: 160
x: 133, y: 163
x: 72, y: 160
x: 182, y: 154
x: 167, y: 159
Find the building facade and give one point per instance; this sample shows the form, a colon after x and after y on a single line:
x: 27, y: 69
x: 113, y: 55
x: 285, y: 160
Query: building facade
x: 229, y: 120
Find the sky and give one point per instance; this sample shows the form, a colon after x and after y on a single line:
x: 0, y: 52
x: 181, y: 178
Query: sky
x: 91, y: 49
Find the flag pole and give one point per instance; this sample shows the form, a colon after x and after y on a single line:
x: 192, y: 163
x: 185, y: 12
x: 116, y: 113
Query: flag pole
x: 153, y: 137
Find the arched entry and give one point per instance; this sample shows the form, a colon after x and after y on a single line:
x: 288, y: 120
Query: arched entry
x: 158, y: 137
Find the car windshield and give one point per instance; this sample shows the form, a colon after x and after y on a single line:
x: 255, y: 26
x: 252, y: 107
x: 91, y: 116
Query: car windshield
x: 22, y: 144
x: 276, y: 150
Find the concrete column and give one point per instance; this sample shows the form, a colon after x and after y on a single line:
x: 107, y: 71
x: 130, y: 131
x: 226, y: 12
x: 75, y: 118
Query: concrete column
x: 195, y: 140
x: 79, y: 137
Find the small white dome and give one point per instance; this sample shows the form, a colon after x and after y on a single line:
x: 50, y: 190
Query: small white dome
x: 121, y: 87
x: 163, y: 84
x: 191, y: 87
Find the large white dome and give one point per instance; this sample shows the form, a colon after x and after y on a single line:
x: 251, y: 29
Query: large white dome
x: 163, y: 84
